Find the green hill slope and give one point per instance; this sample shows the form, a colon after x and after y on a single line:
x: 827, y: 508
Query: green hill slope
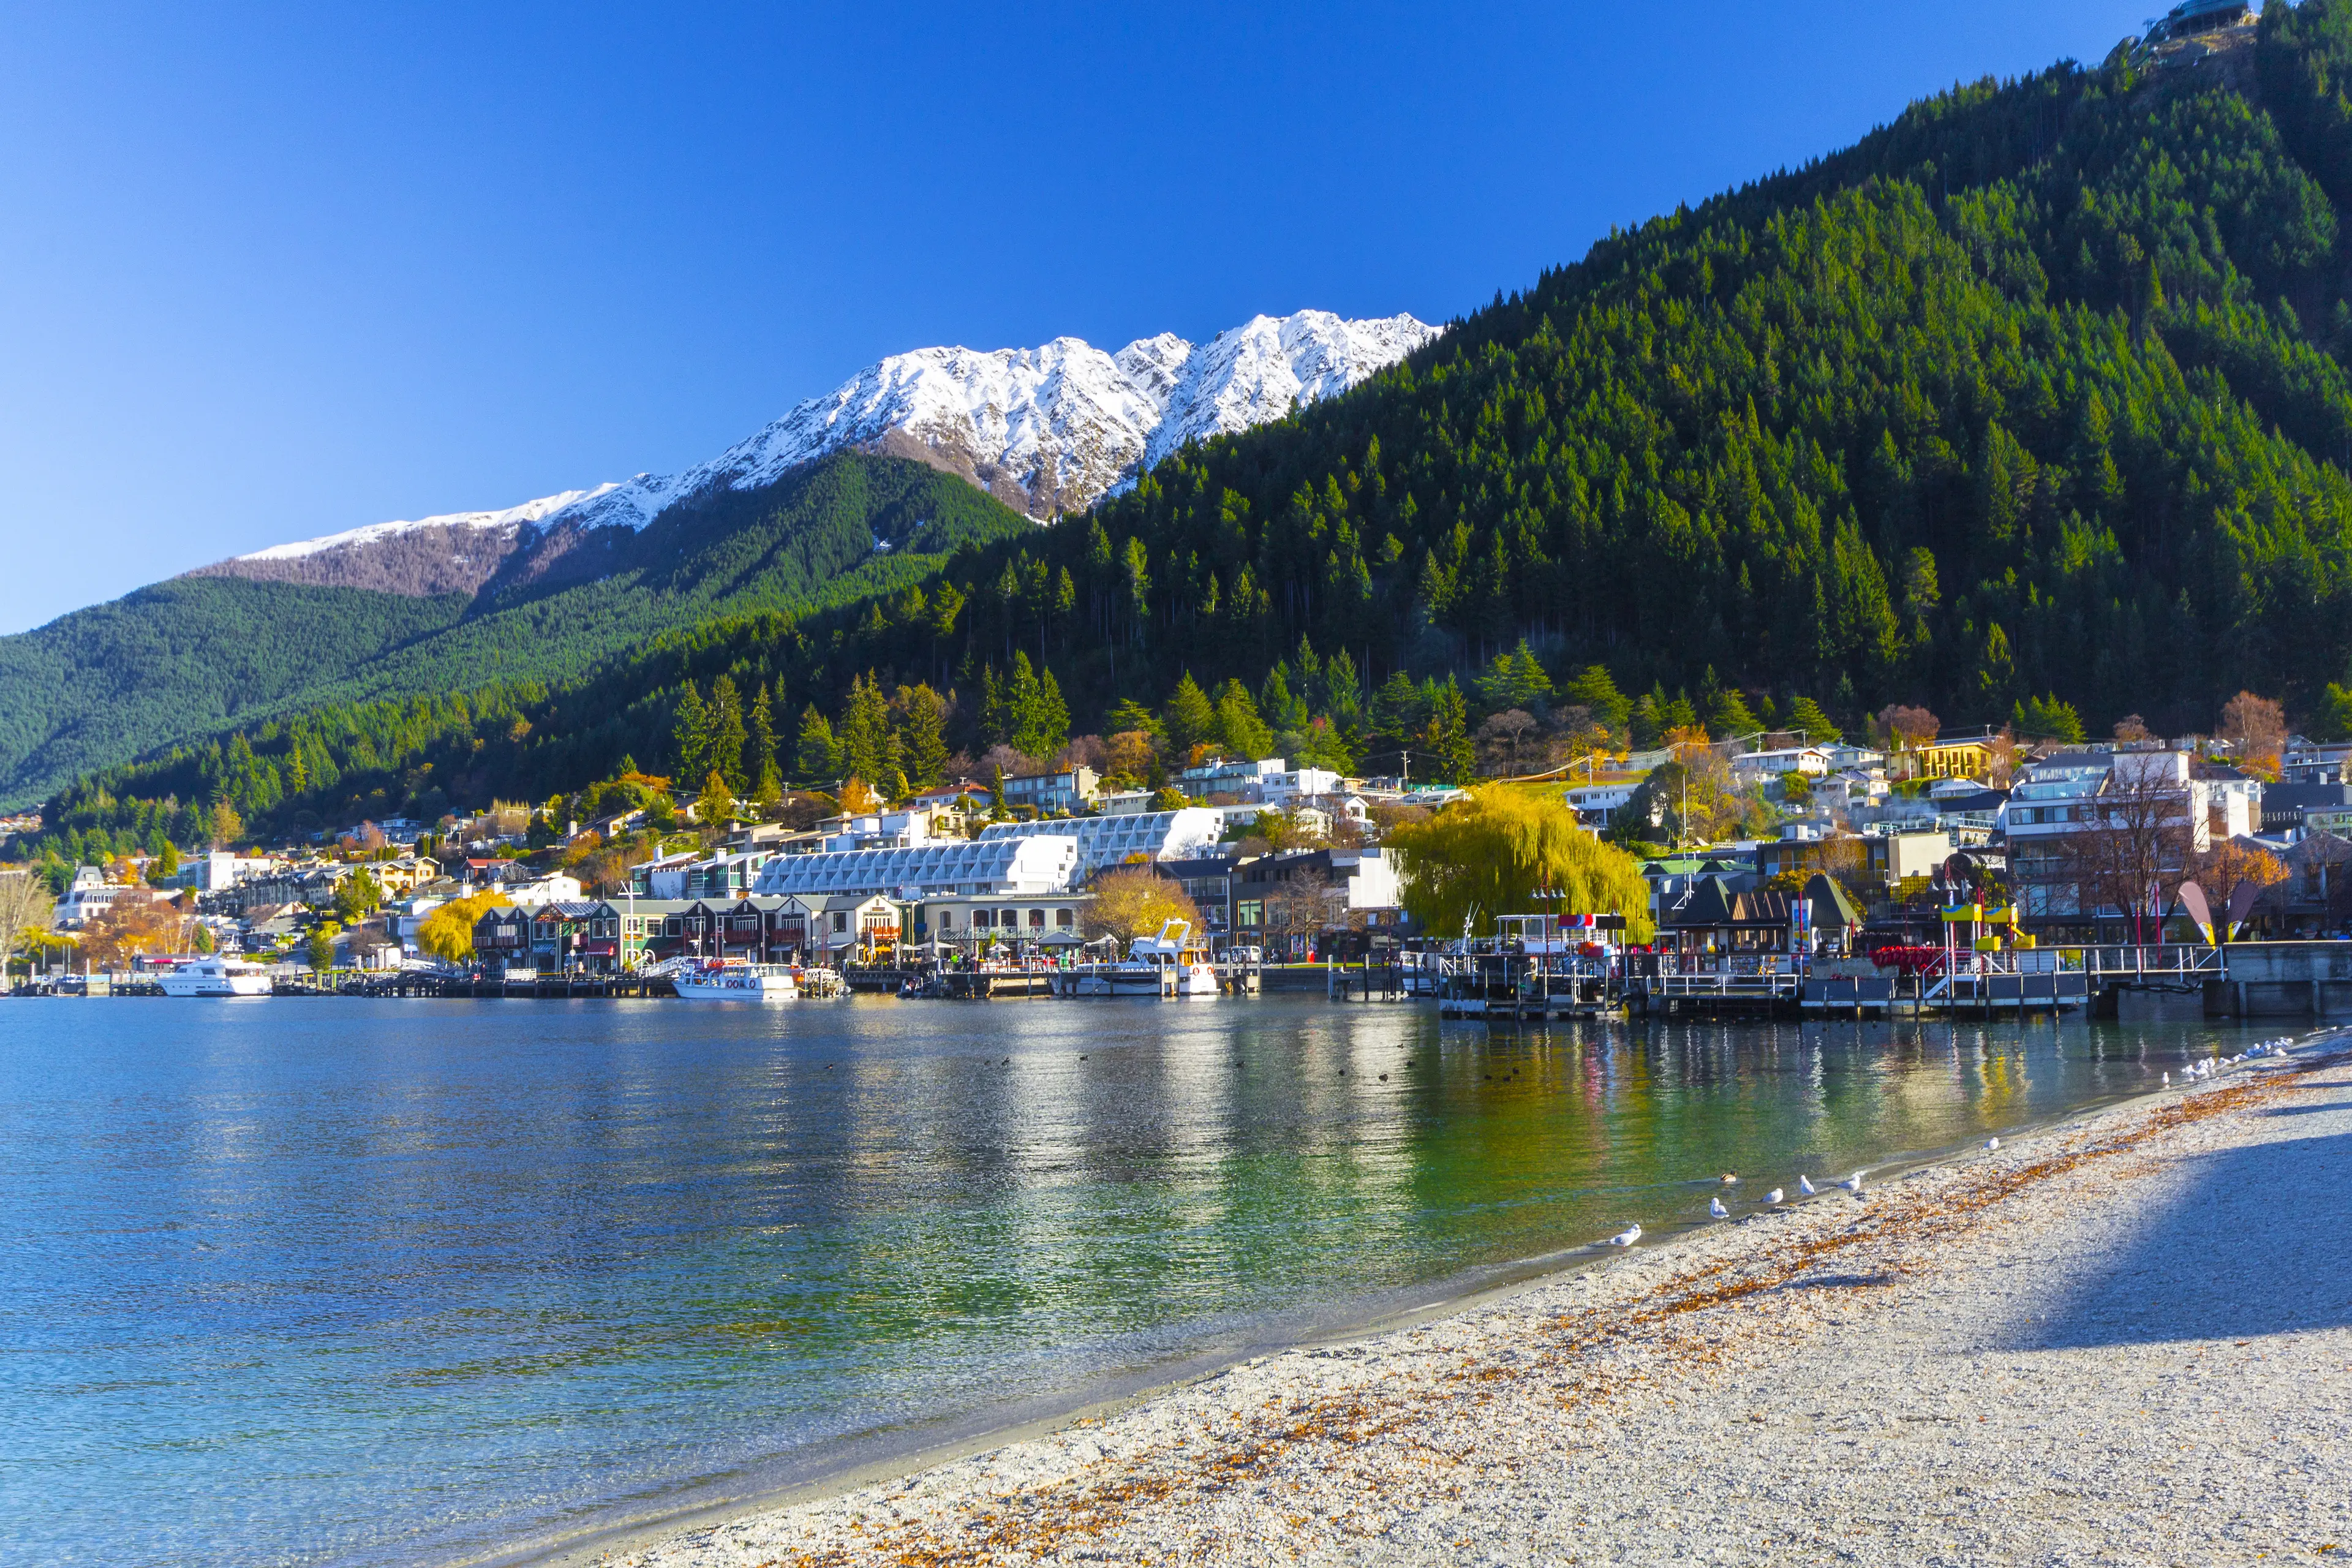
x: 196, y: 656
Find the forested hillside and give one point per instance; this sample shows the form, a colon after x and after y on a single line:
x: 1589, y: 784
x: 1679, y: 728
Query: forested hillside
x: 171, y: 664
x: 2034, y: 401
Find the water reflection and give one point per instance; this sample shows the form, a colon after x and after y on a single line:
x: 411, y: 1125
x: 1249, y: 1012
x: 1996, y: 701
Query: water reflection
x: 337, y: 1282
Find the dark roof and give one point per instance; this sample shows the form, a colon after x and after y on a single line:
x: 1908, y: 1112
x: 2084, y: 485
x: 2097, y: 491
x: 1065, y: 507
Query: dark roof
x: 2304, y: 797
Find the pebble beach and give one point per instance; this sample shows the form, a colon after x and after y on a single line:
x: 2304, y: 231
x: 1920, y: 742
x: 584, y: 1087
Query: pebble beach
x: 2124, y: 1339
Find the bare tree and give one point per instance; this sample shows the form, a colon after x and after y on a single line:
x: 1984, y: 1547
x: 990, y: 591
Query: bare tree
x: 2137, y: 840
x: 2257, y: 726
x: 26, y: 909
x: 2130, y: 730
x: 1506, y: 729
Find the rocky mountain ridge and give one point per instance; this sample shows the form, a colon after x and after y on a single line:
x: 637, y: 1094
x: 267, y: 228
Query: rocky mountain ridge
x: 1045, y: 430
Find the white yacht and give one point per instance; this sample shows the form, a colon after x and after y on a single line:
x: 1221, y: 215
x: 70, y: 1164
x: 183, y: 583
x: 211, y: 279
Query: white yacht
x: 1169, y: 965
x: 736, y: 980
x: 218, y: 976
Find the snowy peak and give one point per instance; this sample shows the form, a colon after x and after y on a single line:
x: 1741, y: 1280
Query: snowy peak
x: 1045, y: 430
x: 1049, y: 430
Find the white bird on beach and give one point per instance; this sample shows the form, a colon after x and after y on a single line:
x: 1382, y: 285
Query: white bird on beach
x: 1805, y: 1185
x: 1773, y: 1196
x: 2168, y: 1080
x: 1626, y: 1238
x: 1853, y: 1184
x: 1991, y: 1143
x: 1715, y: 1210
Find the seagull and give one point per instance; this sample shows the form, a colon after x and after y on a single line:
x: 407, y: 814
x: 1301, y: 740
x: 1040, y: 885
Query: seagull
x: 1715, y: 1210
x: 1773, y: 1196
x: 1626, y: 1238
x: 1805, y: 1185
x: 2168, y: 1080
x: 1992, y: 1143
x: 1853, y: 1184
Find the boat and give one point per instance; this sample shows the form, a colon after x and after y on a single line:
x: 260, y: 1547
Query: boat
x: 736, y: 980
x: 1168, y: 964
x: 216, y: 976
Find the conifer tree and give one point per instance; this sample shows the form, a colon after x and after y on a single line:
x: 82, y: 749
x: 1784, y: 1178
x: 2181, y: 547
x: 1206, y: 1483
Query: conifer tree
x: 1191, y: 718
x: 768, y: 786
x: 1238, y: 724
x: 691, y: 733
x: 817, y: 756
x: 1805, y: 715
x: 724, y: 749
x: 922, y: 735
x: 866, y: 741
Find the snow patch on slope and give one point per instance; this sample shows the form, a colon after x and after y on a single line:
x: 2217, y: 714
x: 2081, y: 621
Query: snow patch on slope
x: 513, y: 516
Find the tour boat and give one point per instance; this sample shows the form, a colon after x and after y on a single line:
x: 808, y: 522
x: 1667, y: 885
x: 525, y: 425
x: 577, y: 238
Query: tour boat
x: 216, y: 977
x: 736, y: 980
x: 1169, y: 965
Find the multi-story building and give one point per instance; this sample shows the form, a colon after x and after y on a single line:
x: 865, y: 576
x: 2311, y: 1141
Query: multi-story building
x: 1067, y: 792
x: 2086, y: 828
x: 1137, y: 836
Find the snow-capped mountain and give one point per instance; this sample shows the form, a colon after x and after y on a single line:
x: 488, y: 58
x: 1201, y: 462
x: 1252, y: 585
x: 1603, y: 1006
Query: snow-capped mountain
x: 1045, y: 430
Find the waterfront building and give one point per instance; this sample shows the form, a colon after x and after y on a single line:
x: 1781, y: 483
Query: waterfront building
x: 1020, y: 862
x: 2086, y: 828
x: 1134, y: 838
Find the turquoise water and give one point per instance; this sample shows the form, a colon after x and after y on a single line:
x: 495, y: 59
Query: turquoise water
x: 347, y: 1282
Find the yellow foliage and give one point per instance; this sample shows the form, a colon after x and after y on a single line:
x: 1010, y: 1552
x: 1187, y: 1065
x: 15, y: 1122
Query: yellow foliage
x: 449, y: 932
x: 1492, y: 854
x: 1129, y: 904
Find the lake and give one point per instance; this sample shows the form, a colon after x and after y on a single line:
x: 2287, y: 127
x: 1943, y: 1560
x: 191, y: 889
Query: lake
x: 347, y: 1282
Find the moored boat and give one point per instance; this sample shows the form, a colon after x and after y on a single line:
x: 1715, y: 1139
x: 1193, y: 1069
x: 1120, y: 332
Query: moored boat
x: 216, y: 976
x: 736, y: 980
x: 1168, y: 964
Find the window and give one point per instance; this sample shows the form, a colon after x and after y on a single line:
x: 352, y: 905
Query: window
x: 1063, y: 919
x: 1249, y: 912
x: 947, y: 920
x: 841, y: 919
x: 981, y: 920
x: 1036, y: 920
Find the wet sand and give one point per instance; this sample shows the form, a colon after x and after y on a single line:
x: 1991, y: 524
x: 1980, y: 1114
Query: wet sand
x: 2125, y: 1340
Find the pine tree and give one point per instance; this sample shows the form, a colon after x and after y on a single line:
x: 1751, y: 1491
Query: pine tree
x: 1594, y: 690
x: 866, y: 742
x: 816, y: 757
x: 1190, y: 717
x: 1805, y: 715
x: 724, y: 749
x: 1238, y: 724
x: 768, y: 778
x: 922, y: 735
x: 1446, y: 737
x: 691, y: 733
x: 1730, y: 717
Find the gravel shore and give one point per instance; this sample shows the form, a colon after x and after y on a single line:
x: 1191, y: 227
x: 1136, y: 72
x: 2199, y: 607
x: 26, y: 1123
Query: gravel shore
x: 2126, y: 1340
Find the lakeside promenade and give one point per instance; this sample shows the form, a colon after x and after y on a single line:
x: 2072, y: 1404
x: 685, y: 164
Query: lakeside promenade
x: 2124, y: 1340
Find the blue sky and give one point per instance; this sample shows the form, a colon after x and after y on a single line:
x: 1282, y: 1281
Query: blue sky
x: 268, y: 273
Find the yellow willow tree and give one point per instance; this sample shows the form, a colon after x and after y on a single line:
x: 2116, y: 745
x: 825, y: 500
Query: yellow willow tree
x: 1495, y: 853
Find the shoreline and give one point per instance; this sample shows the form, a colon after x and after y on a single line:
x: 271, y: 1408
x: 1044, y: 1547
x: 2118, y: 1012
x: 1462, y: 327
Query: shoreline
x: 823, y: 1520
